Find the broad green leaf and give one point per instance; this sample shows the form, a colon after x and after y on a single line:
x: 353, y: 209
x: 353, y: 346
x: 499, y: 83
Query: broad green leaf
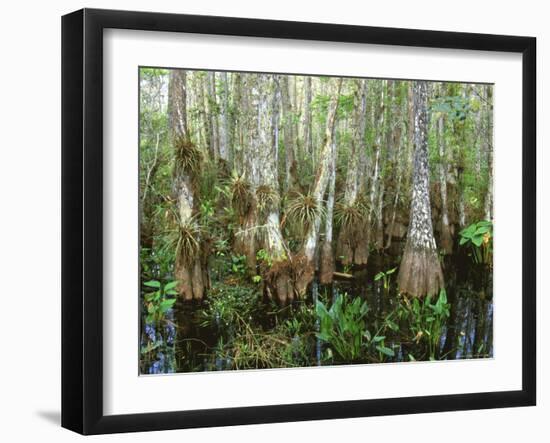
x: 387, y: 351
x: 170, y: 285
x: 167, y: 304
x: 482, y: 230
x: 152, y: 284
x: 393, y: 326
x: 477, y: 241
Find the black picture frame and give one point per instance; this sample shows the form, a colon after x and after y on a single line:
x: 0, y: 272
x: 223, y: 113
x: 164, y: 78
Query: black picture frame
x: 82, y: 215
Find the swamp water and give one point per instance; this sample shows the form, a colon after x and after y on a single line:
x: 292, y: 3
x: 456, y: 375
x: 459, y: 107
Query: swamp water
x: 214, y: 336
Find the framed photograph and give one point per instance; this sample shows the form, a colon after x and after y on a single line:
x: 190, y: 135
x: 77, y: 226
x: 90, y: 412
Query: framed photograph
x: 269, y: 221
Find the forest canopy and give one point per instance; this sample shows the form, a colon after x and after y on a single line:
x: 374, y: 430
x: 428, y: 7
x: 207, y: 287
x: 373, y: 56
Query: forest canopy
x: 262, y: 192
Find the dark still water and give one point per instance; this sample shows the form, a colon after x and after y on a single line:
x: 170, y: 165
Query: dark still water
x: 358, y: 319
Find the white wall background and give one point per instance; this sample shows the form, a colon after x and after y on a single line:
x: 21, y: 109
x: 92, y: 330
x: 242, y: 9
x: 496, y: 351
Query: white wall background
x: 30, y: 218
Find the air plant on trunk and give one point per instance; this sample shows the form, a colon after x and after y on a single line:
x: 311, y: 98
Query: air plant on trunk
x: 240, y: 194
x: 267, y: 199
x: 190, y: 267
x: 352, y: 221
x: 188, y: 156
x: 302, y: 211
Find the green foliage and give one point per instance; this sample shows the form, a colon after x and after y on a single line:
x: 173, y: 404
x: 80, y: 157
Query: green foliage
x: 386, y: 277
x: 238, y: 265
x: 342, y: 327
x: 455, y: 107
x: 238, y: 313
x: 264, y: 258
x: 479, y: 238
x: 160, y: 300
x: 426, y: 319
x: 228, y: 304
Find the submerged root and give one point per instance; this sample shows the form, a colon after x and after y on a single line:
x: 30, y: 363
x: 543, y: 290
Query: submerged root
x: 278, y: 281
x: 193, y: 280
x: 420, y: 273
x: 326, y: 272
x: 304, y: 271
x: 353, y: 247
x: 191, y: 262
x: 245, y: 240
x: 446, y: 241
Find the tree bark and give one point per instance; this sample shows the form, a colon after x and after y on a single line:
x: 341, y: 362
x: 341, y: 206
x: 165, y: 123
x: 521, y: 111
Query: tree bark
x: 308, y: 146
x: 383, y: 138
x: 398, y: 138
x: 375, y: 191
x: 327, y: 255
x: 224, y: 130
x: 489, y: 152
x: 213, y: 115
x: 288, y: 134
x: 420, y: 271
x: 446, y: 238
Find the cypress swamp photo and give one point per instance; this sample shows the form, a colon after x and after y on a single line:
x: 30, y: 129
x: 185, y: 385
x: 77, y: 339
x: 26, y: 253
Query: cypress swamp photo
x: 298, y: 221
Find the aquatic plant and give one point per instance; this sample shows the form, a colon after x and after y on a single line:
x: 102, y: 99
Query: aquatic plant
x: 479, y: 237
x: 159, y: 301
x: 426, y: 320
x: 386, y: 278
x: 342, y: 326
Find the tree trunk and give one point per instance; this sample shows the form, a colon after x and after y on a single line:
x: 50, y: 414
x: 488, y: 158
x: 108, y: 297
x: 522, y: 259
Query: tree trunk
x: 224, y: 114
x: 309, y: 248
x: 398, y: 138
x: 489, y: 152
x: 383, y: 138
x: 288, y: 134
x: 308, y: 146
x: 420, y: 271
x: 327, y: 256
x: 446, y: 239
x: 190, y: 264
x: 261, y: 226
x: 213, y: 115
x: 376, y: 187
x: 352, y: 240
